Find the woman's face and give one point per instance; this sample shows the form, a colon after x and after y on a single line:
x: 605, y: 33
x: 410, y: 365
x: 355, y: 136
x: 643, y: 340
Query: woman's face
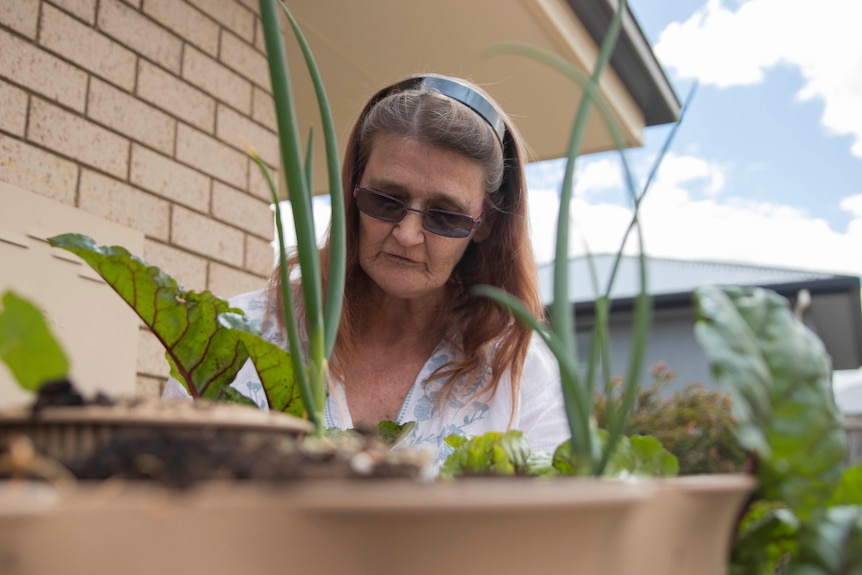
x: 404, y: 259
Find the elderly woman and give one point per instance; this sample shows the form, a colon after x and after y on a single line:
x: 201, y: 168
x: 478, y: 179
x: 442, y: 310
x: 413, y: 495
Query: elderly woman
x: 436, y: 203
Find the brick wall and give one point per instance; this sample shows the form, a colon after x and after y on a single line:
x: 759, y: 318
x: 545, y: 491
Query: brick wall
x: 136, y: 110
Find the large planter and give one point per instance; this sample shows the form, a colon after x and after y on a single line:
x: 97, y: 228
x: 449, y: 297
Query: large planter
x: 580, y: 527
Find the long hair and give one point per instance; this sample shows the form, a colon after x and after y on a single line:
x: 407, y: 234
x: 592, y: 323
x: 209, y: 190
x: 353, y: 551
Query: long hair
x: 488, y: 334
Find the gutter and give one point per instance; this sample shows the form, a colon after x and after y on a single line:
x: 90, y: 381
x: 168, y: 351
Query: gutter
x: 633, y: 60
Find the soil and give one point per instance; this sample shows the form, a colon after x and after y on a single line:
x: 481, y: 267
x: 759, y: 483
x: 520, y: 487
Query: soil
x: 180, y: 457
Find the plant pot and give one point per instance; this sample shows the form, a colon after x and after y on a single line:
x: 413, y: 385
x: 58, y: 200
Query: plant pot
x: 575, y: 526
x: 688, y: 527
x: 473, y: 526
x: 68, y: 433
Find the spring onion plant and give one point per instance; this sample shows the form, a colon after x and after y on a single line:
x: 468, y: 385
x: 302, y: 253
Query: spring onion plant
x: 322, y: 313
x: 590, y: 450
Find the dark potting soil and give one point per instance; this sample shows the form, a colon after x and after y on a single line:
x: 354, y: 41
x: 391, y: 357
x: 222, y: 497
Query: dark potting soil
x: 182, y: 456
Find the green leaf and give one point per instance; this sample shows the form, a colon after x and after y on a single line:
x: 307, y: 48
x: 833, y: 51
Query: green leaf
x: 493, y: 453
x: 651, y: 458
x: 766, y: 537
x: 831, y: 545
x: 392, y: 433
x: 203, y: 356
x: 273, y: 365
x: 27, y: 346
x: 778, y: 374
x: 849, y: 488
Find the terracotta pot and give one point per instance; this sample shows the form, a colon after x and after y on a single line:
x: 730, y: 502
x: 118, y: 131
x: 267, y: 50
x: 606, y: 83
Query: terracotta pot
x: 580, y: 527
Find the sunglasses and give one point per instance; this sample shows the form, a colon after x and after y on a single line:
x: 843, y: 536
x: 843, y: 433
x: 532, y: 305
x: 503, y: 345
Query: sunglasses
x: 388, y: 209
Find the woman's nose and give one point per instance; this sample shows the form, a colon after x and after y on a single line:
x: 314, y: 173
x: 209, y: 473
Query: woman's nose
x: 409, y: 230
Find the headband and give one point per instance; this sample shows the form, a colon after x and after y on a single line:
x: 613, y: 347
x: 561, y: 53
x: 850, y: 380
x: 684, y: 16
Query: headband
x: 462, y: 93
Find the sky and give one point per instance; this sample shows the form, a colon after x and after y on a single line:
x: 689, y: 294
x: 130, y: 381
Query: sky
x: 766, y: 167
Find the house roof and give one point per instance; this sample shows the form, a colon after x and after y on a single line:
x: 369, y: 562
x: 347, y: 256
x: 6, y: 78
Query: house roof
x: 835, y: 313
x: 362, y: 46
x: 669, y: 277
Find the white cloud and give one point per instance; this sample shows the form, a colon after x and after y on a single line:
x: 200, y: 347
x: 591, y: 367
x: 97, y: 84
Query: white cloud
x: 723, y: 46
x: 713, y: 227
x: 853, y: 204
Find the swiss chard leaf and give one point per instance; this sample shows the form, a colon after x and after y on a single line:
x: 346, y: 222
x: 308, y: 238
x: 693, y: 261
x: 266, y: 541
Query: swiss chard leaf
x: 778, y: 374
x: 831, y: 544
x: 203, y: 356
x: 27, y: 345
x: 766, y: 537
x: 272, y: 363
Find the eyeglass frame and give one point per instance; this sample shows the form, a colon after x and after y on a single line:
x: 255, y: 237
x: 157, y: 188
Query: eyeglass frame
x: 475, y: 221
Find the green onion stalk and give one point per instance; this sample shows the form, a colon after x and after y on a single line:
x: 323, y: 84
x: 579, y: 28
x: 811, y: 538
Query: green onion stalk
x: 322, y: 321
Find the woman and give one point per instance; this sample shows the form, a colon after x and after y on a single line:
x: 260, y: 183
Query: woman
x: 436, y: 204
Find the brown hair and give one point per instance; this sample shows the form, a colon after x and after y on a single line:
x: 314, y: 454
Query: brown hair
x: 489, y: 335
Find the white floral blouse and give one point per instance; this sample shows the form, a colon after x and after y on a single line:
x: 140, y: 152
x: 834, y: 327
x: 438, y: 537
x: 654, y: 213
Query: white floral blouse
x: 539, y: 412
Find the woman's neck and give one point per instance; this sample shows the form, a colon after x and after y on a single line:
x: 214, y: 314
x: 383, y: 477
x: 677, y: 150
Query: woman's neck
x: 399, y: 322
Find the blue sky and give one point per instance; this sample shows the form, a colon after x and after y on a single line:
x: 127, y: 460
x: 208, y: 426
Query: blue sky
x: 766, y: 167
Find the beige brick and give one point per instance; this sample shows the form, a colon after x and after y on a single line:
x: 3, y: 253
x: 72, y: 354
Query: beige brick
x: 259, y: 41
x: 230, y: 14
x: 13, y: 109
x: 82, y: 9
x: 169, y: 179
x: 176, y: 97
x: 217, y: 80
x: 87, y: 47
x: 139, y: 33
x: 77, y: 138
x: 253, y: 5
x: 124, y: 204
x: 243, y: 58
x: 242, y: 210
x: 257, y: 184
x: 134, y: 3
x: 131, y: 117
x: 21, y: 16
x: 36, y: 170
x: 189, y: 270
x: 186, y: 22
x: 151, y: 387
x: 263, y: 109
x: 41, y: 72
x: 227, y: 282
x: 259, y: 256
x: 238, y: 131
x: 202, y: 235
x: 211, y: 156
x: 151, y: 355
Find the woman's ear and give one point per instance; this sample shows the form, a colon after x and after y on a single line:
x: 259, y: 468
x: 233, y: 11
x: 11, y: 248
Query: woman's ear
x: 485, y: 227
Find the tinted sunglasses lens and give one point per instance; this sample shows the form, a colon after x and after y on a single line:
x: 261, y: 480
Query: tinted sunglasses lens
x: 447, y: 224
x: 379, y: 206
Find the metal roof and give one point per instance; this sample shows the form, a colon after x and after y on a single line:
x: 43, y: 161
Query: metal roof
x: 834, y: 313
x: 669, y: 277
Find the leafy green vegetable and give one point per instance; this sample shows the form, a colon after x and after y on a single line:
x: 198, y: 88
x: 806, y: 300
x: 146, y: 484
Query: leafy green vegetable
x: 765, y: 539
x: 832, y: 545
x: 27, y: 346
x: 636, y: 455
x: 493, y: 453
x: 778, y: 374
x: 203, y: 356
x: 849, y: 489
x: 392, y: 433
x: 272, y: 363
